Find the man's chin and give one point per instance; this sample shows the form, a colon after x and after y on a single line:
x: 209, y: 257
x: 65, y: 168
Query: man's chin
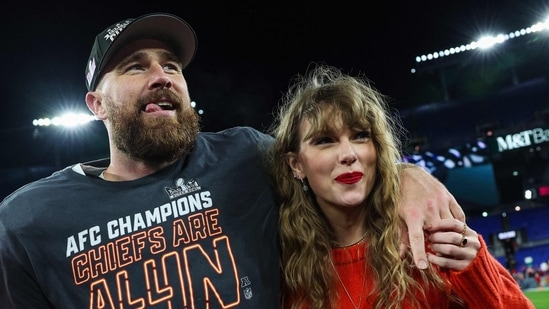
x: 160, y: 114
x: 160, y: 156
x: 159, y: 123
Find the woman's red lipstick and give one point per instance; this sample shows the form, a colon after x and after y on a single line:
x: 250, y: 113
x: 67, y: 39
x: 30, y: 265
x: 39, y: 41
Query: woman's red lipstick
x: 349, y: 178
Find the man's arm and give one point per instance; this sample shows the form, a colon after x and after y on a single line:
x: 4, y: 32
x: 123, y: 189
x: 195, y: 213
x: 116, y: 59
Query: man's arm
x: 423, y: 199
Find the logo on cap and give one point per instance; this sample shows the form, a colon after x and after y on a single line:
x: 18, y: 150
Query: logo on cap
x: 112, y: 33
x: 91, y: 70
x: 109, y: 36
x: 168, y: 28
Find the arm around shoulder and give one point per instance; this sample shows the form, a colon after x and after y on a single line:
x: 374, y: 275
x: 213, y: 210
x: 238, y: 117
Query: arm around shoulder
x: 424, y: 199
x: 421, y: 190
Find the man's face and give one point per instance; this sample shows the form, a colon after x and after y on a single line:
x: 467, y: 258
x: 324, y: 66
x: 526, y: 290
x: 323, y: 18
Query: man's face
x: 147, y: 103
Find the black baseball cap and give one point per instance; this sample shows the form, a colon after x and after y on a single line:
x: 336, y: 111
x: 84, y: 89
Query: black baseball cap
x: 168, y: 28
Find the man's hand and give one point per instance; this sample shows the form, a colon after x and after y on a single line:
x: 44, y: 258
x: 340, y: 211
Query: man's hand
x: 423, y: 200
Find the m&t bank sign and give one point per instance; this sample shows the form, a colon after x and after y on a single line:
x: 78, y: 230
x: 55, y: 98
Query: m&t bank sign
x: 526, y: 138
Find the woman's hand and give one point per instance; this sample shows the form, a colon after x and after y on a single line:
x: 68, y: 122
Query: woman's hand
x: 453, y: 243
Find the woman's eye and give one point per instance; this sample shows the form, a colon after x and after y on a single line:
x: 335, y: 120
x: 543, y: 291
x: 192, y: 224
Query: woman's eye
x: 363, y: 135
x: 322, y: 140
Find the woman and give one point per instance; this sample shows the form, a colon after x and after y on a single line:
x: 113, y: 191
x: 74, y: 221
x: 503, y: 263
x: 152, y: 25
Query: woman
x: 335, y: 156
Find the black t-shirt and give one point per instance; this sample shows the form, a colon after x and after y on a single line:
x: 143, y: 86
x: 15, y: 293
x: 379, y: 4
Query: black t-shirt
x: 201, y: 233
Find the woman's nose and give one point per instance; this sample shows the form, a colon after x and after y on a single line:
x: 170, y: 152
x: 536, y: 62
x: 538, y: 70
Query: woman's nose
x: 348, y: 155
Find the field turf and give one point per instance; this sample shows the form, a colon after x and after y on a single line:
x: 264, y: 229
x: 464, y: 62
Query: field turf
x: 540, y: 298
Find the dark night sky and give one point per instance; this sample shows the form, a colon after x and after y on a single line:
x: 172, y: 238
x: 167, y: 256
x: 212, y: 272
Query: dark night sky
x: 247, y: 53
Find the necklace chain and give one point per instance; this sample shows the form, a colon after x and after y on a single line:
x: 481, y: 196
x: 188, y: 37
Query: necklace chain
x: 345, y: 288
x: 361, y: 239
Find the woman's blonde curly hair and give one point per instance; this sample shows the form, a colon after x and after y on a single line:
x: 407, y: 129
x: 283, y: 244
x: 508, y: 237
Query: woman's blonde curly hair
x: 322, y: 97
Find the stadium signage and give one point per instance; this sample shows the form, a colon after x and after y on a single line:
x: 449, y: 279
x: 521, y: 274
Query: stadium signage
x: 526, y: 138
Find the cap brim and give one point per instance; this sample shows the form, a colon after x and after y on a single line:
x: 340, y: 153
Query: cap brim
x: 170, y: 29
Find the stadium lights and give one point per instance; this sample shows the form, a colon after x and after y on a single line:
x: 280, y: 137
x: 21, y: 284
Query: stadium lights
x: 541, y: 191
x: 67, y: 120
x: 70, y: 120
x: 199, y: 111
x: 485, y: 42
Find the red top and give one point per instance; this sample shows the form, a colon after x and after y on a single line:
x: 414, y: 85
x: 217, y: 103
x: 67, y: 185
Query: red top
x: 485, y: 283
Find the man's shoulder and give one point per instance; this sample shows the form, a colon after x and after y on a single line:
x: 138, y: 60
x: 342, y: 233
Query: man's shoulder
x: 244, y: 134
x: 40, y: 187
x: 242, y: 142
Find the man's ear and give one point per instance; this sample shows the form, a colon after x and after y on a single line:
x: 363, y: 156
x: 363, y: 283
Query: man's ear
x: 293, y: 161
x: 95, y: 105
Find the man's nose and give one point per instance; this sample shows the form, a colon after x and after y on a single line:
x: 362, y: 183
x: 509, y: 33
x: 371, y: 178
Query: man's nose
x: 159, y: 78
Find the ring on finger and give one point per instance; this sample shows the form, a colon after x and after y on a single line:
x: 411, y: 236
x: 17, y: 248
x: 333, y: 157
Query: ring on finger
x: 463, y: 241
x: 464, y: 228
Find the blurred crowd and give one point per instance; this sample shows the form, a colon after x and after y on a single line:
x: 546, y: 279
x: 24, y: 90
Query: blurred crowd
x: 532, y: 276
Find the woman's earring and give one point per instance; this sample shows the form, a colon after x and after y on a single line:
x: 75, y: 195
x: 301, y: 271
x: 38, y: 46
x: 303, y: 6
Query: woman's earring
x: 305, y: 187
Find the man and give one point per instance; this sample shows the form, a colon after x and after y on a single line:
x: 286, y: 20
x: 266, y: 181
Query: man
x: 174, y: 218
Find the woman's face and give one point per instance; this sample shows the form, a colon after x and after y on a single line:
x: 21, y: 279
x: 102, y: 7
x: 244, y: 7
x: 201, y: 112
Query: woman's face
x: 340, y: 167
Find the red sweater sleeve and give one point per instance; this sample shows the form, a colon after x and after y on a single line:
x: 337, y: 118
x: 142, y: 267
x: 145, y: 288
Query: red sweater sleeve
x: 485, y: 283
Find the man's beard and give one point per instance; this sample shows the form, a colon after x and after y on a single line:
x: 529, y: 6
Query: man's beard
x: 154, y: 140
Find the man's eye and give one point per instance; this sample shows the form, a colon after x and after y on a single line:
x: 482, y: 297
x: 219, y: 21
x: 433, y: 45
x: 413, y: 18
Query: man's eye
x: 172, y: 67
x: 134, y: 66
